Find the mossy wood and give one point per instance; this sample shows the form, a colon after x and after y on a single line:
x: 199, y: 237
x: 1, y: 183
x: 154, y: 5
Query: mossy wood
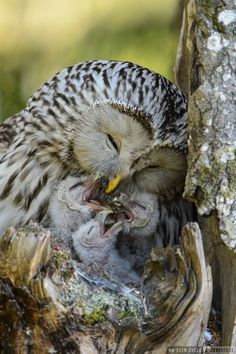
x: 46, y: 306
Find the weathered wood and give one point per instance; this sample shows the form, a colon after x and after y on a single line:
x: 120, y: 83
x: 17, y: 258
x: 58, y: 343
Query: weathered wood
x: 47, y: 307
x: 205, y: 69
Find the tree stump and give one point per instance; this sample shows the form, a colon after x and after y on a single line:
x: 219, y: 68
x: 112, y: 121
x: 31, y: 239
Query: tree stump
x: 47, y: 306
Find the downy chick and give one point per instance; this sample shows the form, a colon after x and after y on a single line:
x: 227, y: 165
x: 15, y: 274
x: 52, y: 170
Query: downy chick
x: 99, y: 254
x: 67, y: 208
x: 139, y: 236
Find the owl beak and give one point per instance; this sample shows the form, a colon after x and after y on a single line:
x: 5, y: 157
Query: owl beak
x: 113, y: 184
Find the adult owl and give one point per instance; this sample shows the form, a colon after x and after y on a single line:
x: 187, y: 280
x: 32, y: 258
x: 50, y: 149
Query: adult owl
x: 97, y: 117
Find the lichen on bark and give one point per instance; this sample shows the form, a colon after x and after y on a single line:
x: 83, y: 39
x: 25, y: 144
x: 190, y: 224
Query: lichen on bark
x: 211, y: 84
x: 206, y: 71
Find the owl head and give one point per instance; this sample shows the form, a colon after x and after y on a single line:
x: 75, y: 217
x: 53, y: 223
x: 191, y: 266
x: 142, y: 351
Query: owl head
x: 159, y: 173
x: 162, y: 170
x: 109, y: 141
x: 103, y: 115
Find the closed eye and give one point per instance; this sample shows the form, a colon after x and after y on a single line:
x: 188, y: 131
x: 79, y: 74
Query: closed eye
x: 90, y: 230
x: 141, y: 206
x: 153, y: 166
x: 113, y: 142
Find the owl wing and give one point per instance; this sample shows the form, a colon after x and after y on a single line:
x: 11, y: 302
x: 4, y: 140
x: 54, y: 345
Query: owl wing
x: 8, y: 132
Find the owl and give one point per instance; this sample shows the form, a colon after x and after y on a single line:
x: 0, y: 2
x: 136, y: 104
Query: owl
x: 161, y: 173
x: 7, y: 133
x: 100, y: 256
x: 67, y: 209
x: 96, y: 241
x: 97, y: 118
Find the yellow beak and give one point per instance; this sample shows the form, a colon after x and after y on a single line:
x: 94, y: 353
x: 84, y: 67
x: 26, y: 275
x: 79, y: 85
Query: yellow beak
x: 113, y: 184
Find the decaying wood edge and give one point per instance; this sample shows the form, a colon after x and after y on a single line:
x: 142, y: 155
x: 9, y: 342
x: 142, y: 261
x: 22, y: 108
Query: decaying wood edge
x: 205, y: 70
x: 190, y: 328
x: 176, y: 295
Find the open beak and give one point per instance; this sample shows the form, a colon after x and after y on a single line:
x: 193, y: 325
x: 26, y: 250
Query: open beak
x: 92, y: 191
x: 113, y: 184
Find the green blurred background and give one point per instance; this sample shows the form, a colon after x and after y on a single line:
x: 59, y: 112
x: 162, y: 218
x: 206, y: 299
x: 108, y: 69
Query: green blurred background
x: 40, y: 37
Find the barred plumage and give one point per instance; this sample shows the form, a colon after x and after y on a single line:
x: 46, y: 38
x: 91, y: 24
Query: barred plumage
x: 96, y: 116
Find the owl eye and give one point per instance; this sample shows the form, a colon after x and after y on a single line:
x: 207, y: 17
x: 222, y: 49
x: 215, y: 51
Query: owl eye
x: 90, y: 230
x: 113, y: 142
x: 153, y: 166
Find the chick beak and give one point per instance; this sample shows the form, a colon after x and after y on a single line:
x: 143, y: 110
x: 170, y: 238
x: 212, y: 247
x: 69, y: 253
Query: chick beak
x: 113, y: 184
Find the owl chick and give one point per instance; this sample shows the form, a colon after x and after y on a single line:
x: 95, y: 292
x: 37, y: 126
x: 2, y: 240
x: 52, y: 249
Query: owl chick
x: 67, y: 208
x: 70, y: 216
x: 99, y: 254
x: 152, y: 171
x: 122, y: 250
x: 96, y: 117
x: 144, y: 208
x: 140, y: 235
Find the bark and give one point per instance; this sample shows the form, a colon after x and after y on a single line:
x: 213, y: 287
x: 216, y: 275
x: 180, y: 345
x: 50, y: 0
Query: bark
x: 205, y: 70
x: 47, y: 307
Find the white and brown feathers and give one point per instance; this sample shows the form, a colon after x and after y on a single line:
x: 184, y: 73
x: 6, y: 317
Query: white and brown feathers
x: 98, y: 116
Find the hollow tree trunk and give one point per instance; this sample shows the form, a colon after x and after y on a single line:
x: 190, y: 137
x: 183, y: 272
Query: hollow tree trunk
x: 205, y: 70
x: 46, y: 306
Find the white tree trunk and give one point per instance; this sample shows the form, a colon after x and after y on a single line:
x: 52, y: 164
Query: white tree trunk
x: 206, y: 71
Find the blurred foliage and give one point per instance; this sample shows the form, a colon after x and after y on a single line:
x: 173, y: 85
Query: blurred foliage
x: 40, y: 37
